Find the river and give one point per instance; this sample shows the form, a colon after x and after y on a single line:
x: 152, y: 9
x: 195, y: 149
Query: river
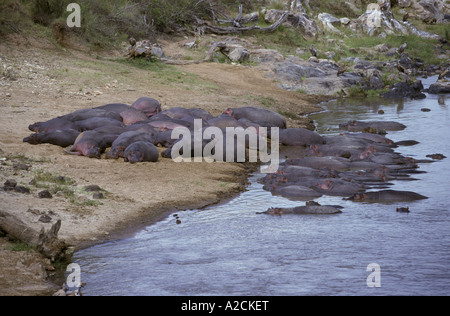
x: 230, y: 250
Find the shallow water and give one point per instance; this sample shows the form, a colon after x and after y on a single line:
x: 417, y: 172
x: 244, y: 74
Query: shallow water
x: 231, y: 250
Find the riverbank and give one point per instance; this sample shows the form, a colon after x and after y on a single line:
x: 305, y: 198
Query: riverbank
x: 44, y: 82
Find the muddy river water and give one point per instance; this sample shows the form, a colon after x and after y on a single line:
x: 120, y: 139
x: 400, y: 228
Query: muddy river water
x: 231, y: 250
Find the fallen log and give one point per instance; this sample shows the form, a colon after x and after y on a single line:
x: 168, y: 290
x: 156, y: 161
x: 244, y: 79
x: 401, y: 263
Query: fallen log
x: 46, y: 242
x: 207, y: 28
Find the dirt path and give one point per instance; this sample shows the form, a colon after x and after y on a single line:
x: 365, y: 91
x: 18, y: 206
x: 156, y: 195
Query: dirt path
x: 38, y: 84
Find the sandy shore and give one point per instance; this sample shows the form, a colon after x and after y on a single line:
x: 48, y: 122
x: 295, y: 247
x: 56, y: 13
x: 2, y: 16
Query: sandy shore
x: 44, y: 82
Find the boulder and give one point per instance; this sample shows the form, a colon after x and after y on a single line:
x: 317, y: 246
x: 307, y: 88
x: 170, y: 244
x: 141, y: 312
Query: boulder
x: 405, y: 90
x: 432, y: 10
x: 329, y: 22
x: 439, y: 87
x: 239, y: 55
x: 404, y: 3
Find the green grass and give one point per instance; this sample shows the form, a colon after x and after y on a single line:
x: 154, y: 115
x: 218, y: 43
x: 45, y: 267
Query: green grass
x: 19, y: 246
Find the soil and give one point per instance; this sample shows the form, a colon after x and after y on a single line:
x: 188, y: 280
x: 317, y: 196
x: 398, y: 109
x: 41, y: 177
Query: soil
x: 40, y: 81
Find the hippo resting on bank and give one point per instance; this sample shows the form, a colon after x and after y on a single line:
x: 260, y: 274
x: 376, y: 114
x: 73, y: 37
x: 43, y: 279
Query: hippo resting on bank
x: 359, y: 126
x: 62, y: 138
x: 262, y: 117
x: 121, y: 143
x: 55, y: 124
x: 387, y: 196
x: 141, y: 152
x: 91, y: 144
x: 304, y: 210
x: 147, y: 105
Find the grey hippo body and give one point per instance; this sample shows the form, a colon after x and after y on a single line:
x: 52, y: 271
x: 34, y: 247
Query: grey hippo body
x: 141, y: 152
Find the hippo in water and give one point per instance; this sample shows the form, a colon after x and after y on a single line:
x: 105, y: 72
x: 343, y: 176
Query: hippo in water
x: 387, y: 196
x: 141, y: 152
x: 304, y: 210
x: 359, y: 126
x: 300, y: 137
x: 147, y: 105
x: 258, y: 115
x: 62, y: 138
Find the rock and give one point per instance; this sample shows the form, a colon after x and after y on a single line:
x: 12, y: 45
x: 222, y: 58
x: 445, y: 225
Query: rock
x: 10, y: 184
x: 382, y: 48
x: 425, y: 110
x: 406, y: 90
x: 305, y: 24
x: 345, y: 21
x: 239, y: 55
x: 385, y: 5
x: 45, y: 195
x: 93, y: 188
x: 439, y: 87
x: 157, y: 51
x: 375, y: 21
x: 432, y: 10
x: 404, y: 3
x: 45, y: 219
x: 329, y: 22
x: 98, y: 196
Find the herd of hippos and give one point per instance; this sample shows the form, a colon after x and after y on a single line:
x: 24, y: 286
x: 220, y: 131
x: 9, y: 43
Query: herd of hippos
x: 348, y: 165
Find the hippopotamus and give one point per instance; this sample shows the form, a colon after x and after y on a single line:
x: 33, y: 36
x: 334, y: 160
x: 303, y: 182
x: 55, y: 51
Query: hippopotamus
x: 300, y: 137
x: 164, y: 125
x: 200, y: 113
x: 164, y: 139
x: 359, y: 126
x: 142, y: 127
x: 114, y: 107
x: 403, y: 210
x: 177, y: 113
x: 147, y: 105
x: 62, y: 138
x: 296, y: 192
x: 141, y: 152
x: 126, y: 139
x: 85, y: 114
x: 304, y: 210
x: 258, y: 115
x: 376, y: 138
x: 337, y: 187
x: 336, y: 163
x: 97, y: 122
x: 55, y: 124
x: 111, y: 129
x: 407, y: 143
x: 91, y: 144
x: 387, y: 196
x: 224, y: 121
x: 132, y: 116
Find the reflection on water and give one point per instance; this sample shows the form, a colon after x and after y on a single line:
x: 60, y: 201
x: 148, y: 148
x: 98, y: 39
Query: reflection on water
x: 230, y: 250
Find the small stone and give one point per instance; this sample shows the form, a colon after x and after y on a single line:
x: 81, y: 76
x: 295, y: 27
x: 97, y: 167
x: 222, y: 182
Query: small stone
x: 380, y: 112
x: 21, y: 166
x: 98, y: 196
x: 45, y: 219
x: 34, y: 211
x: 21, y: 189
x: 93, y: 188
x: 8, y: 95
x: 45, y: 195
x: 10, y: 184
